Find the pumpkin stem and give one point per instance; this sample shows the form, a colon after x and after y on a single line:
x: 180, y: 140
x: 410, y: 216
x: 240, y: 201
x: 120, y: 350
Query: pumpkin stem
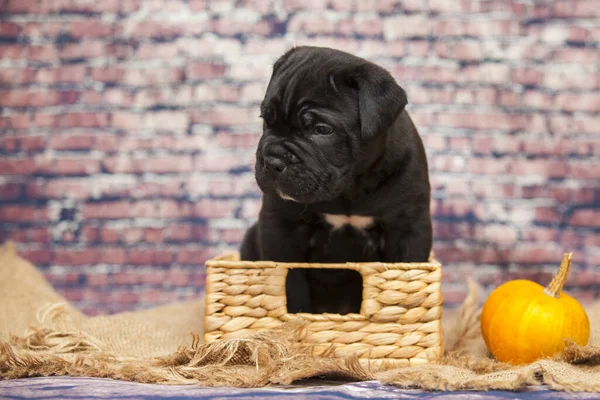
x: 557, y: 283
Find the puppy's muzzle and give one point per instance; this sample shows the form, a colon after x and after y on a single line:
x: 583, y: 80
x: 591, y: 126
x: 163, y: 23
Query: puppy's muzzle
x: 277, y: 158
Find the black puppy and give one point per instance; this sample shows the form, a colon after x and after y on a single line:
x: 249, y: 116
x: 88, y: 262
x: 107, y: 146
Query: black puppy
x: 344, y: 176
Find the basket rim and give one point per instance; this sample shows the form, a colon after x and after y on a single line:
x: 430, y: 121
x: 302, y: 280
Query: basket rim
x: 231, y: 260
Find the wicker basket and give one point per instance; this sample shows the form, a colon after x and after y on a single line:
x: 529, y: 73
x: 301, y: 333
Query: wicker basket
x: 399, y: 321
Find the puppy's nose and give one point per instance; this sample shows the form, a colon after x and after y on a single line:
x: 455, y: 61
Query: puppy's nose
x: 275, y: 164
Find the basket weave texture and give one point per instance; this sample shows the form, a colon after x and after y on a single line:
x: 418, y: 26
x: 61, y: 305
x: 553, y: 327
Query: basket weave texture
x: 399, y: 321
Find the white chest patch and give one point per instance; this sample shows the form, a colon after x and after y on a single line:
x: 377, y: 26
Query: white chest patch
x: 286, y: 197
x: 357, y: 221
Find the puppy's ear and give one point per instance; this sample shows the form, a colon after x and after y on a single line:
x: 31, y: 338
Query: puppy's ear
x: 380, y: 98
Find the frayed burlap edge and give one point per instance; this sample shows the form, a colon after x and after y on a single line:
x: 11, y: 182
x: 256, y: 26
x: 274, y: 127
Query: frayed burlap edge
x: 268, y: 357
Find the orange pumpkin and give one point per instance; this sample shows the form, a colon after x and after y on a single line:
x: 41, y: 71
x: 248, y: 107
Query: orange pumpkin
x: 522, y: 321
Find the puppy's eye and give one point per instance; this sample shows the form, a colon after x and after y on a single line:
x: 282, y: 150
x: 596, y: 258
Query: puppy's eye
x: 323, y: 129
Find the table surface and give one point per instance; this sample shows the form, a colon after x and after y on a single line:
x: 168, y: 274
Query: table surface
x: 65, y: 387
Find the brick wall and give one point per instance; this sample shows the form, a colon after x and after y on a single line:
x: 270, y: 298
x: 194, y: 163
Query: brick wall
x: 128, y: 130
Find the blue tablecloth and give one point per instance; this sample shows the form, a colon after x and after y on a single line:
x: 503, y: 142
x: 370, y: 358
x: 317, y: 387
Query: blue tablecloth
x: 92, y: 388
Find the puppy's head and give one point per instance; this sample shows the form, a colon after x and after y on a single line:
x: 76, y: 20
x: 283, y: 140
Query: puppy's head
x: 323, y: 111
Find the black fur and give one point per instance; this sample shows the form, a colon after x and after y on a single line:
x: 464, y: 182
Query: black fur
x: 337, y: 140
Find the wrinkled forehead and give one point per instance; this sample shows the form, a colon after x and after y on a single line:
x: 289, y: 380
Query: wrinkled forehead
x: 306, y: 79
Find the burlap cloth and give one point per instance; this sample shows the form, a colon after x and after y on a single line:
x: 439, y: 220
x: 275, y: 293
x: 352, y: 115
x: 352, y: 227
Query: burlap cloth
x: 41, y: 334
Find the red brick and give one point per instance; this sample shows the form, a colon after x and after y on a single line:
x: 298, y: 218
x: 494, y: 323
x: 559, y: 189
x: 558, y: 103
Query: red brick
x: 537, y: 99
x: 122, y: 165
x: 161, y: 96
x: 576, y: 8
x: 584, y: 170
x: 16, y: 121
x: 153, y: 235
x: 63, y: 74
x: 540, y: 277
x: 90, y: 234
x: 570, y: 239
x: 300, y: 22
x: 36, y: 256
x: 90, y: 28
x: 452, y: 207
x: 68, y: 188
x: 178, y: 233
x: 74, y: 295
x: 214, y: 208
x: 527, y: 76
x: 113, y: 255
x: 72, y: 142
x: 121, y: 51
x: 76, y: 166
x: 97, y: 279
x: 487, y: 166
x: 490, y: 190
x: 110, y: 235
x: 542, y: 253
x: 16, y: 75
x: 82, y: 120
x: 576, y: 55
x: 369, y: 26
x: 153, y: 278
x: 148, y: 77
x: 114, y: 96
x: 107, y: 210
x: 545, y: 168
x: 32, y: 143
x: 85, y: 49
x: 539, y: 234
x: 35, y: 190
x: 591, y: 239
x: 162, y: 209
x: 177, y: 277
x: 174, y: 164
x: 585, y: 217
x: 201, y: 71
x: 474, y: 121
x: 578, y: 102
x: 547, y: 215
x: 15, y: 236
x: 194, y: 256
x: 156, y: 51
x: 12, y: 51
x: 22, y: 213
x: 106, y: 142
x: 446, y: 230
x: 9, y: 29
x: 41, y: 120
x: 71, y: 256
x: 156, y: 29
x: 174, y: 209
x: 233, y: 236
x: 149, y: 257
x: 132, y: 235
x: 126, y: 120
x: 127, y: 278
x: 107, y: 74
x: 27, y: 143
x: 28, y: 98
x: 10, y: 191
